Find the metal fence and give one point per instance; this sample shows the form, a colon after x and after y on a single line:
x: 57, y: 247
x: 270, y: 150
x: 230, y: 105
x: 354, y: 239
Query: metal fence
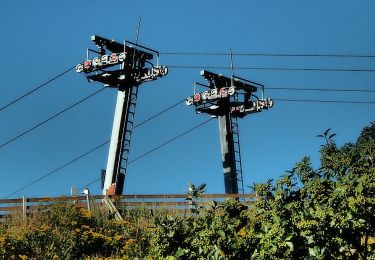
x: 174, y: 202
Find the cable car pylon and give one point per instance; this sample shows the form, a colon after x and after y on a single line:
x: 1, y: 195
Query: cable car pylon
x: 229, y: 98
x: 124, y: 67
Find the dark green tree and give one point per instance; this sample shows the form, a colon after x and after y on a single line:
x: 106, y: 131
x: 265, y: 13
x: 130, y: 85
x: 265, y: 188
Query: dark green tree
x: 325, y: 213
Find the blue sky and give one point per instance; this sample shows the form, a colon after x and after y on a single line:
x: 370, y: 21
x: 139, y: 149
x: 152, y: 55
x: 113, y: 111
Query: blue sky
x: 40, y: 39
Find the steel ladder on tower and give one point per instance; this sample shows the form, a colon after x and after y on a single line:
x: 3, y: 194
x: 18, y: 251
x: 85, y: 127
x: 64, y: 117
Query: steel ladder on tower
x: 128, y: 125
x: 237, y: 153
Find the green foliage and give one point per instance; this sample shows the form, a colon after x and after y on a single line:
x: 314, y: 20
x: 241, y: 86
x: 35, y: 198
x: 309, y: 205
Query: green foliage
x: 63, y: 231
x: 213, y: 234
x: 324, y: 213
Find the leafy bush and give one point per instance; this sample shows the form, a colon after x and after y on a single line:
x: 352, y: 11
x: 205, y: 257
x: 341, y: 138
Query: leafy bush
x: 62, y: 231
x: 324, y: 213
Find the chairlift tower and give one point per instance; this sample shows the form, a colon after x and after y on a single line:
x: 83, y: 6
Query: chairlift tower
x: 123, y: 67
x: 229, y: 99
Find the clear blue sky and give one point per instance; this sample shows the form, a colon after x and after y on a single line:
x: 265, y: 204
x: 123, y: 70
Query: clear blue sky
x: 40, y: 39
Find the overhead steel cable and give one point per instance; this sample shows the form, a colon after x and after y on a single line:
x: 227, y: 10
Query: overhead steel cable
x: 285, y: 100
x: 158, y: 147
x: 57, y: 169
x: 325, y: 101
x: 271, y: 68
x: 50, y: 118
x: 89, y: 152
x: 170, y: 140
x: 35, y: 89
x: 269, y: 54
x: 220, y: 54
x: 323, y: 89
x: 158, y: 114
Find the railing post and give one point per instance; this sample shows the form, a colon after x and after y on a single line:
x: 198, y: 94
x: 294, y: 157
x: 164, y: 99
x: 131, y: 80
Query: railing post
x: 24, y: 208
x: 86, y: 191
x: 191, y: 203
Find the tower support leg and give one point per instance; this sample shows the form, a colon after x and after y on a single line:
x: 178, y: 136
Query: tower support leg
x: 116, y: 143
x: 228, y: 154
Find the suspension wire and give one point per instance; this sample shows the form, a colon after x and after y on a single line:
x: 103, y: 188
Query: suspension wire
x: 170, y: 140
x: 157, y: 148
x: 270, y: 54
x: 322, y: 89
x: 218, y: 67
x: 271, y: 68
x: 88, y: 152
x: 50, y: 118
x: 324, y: 101
x: 35, y: 89
x: 194, y: 67
x: 242, y: 68
x: 57, y: 169
x: 159, y: 113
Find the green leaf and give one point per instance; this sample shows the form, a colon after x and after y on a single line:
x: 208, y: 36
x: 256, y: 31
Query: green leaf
x: 329, y: 158
x: 289, y: 237
x: 361, y: 221
x: 312, y: 251
x: 171, y: 233
x: 288, y: 206
x: 310, y: 239
x: 359, y: 187
x: 290, y: 244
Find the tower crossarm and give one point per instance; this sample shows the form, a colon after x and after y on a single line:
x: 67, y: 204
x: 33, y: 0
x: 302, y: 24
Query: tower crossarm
x: 121, y: 65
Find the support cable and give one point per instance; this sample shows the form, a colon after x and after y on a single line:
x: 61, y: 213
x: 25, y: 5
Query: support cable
x: 57, y: 169
x: 160, y: 146
x: 35, y: 89
x: 323, y: 89
x: 170, y: 140
x: 324, y: 101
x: 157, y: 148
x: 50, y: 118
x: 215, y: 54
x: 89, y: 152
x: 271, y: 68
x: 160, y: 113
x: 270, y: 54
